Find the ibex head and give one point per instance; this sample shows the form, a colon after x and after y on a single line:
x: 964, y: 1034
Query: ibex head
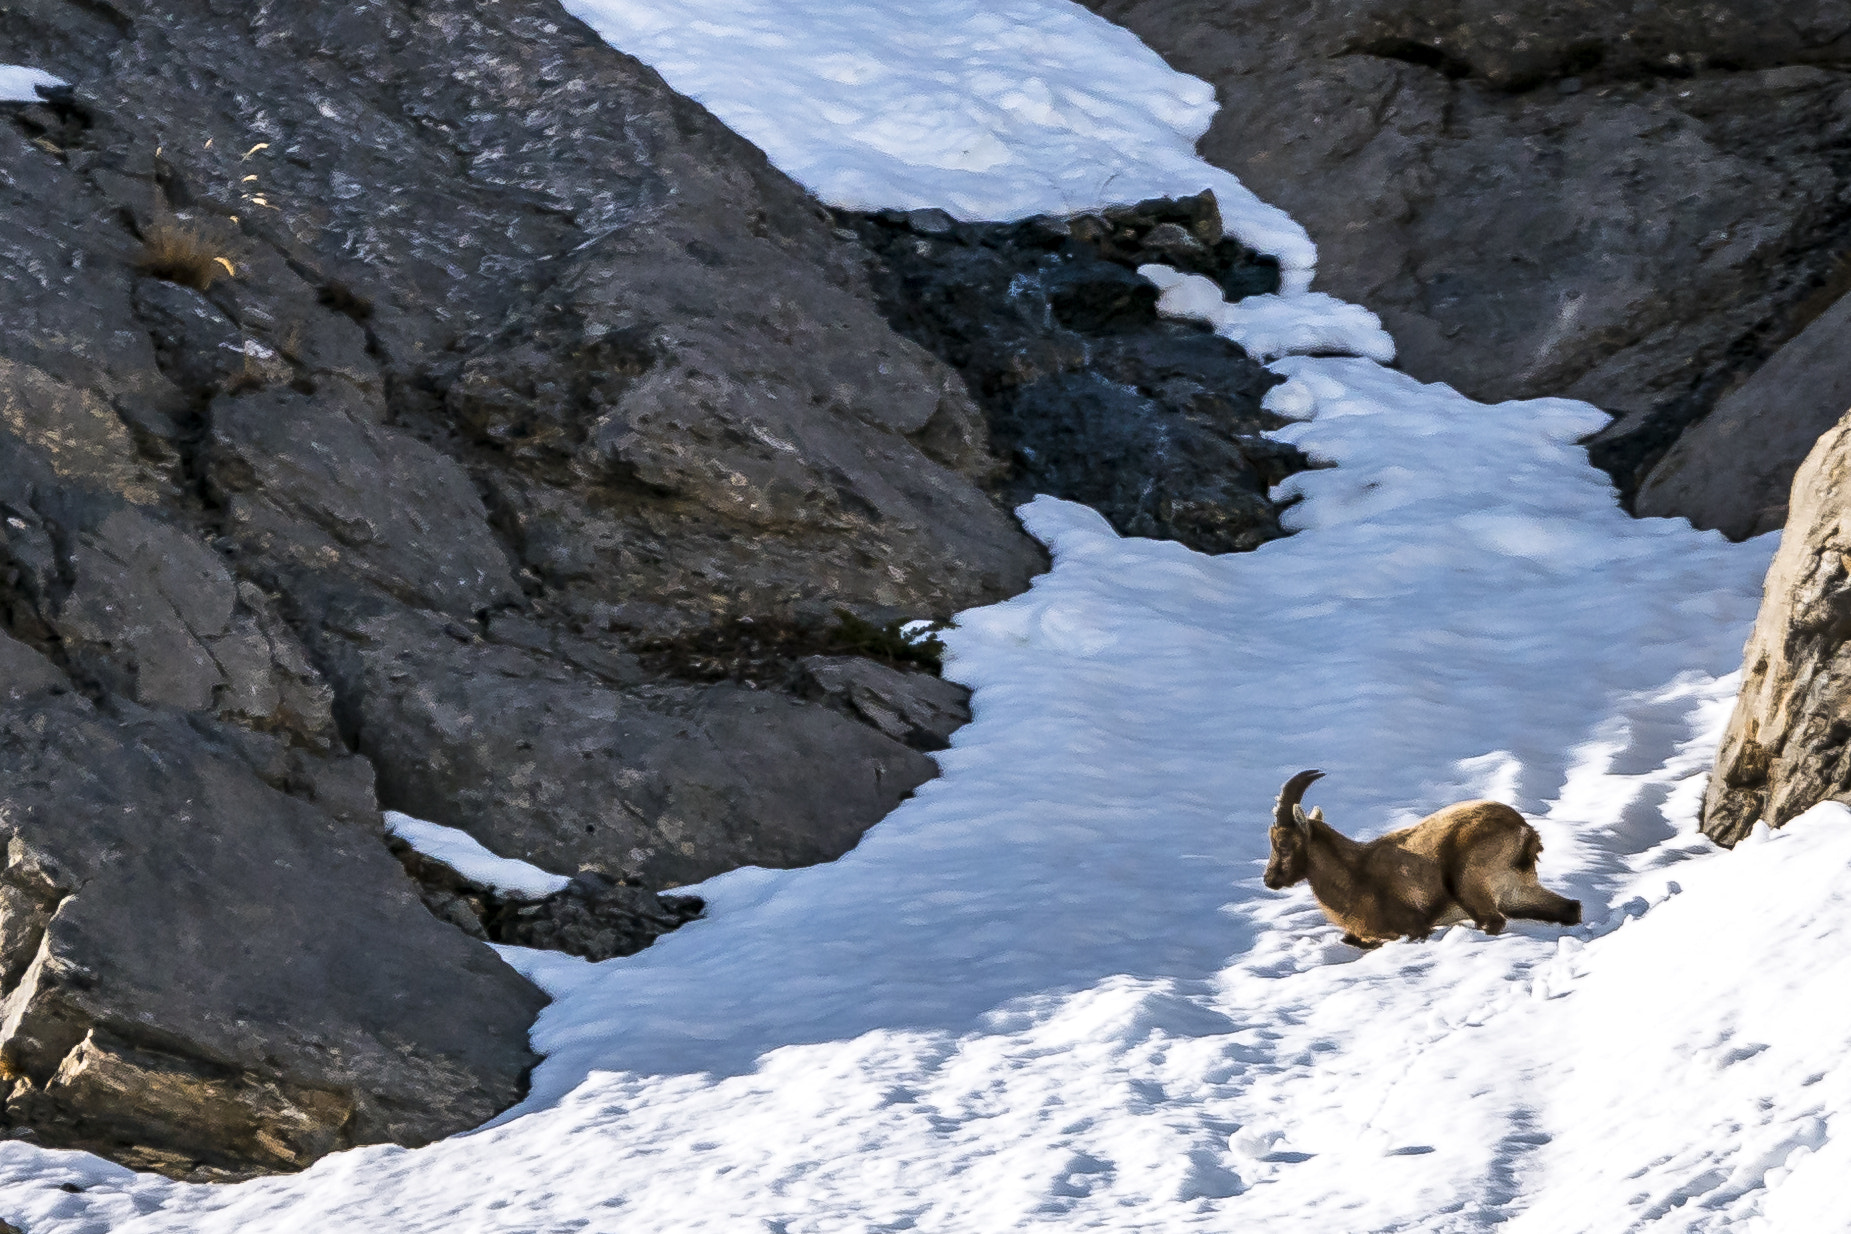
x: 1291, y: 833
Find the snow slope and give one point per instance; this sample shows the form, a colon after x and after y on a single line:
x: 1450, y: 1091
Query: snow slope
x: 989, y: 109
x: 1049, y: 992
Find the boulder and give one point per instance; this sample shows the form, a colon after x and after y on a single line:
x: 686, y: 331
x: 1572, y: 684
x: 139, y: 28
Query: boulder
x: 1785, y: 748
x: 306, y: 486
x: 919, y: 709
x: 547, y: 762
x: 1630, y: 204
x: 1732, y: 470
x: 209, y: 977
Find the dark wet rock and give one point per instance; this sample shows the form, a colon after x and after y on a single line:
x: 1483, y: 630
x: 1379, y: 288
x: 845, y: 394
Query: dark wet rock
x: 377, y: 383
x: 593, y: 916
x: 1154, y: 423
x: 1631, y: 204
x: 770, y: 653
x: 1182, y: 232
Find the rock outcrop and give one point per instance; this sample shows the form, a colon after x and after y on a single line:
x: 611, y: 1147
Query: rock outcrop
x: 208, y: 976
x: 1788, y: 744
x: 382, y: 386
x: 1732, y: 470
x: 1632, y: 204
x: 1156, y: 424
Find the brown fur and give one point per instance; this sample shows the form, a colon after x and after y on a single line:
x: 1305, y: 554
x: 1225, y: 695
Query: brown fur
x: 1475, y: 861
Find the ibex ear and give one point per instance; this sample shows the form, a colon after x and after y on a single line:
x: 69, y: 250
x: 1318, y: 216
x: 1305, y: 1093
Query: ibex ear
x: 1298, y: 816
x: 1317, y: 814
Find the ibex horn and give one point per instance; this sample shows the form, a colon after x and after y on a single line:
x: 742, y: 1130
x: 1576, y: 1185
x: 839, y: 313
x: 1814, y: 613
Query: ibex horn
x: 1285, y: 810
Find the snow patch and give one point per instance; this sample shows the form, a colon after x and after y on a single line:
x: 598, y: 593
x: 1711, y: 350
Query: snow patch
x: 19, y: 83
x: 466, y: 855
x: 1049, y: 991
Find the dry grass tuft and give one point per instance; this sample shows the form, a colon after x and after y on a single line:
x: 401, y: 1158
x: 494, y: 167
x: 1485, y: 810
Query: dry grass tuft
x: 182, y: 254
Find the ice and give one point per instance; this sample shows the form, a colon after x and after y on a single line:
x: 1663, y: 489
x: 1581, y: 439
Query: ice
x: 466, y: 855
x: 19, y: 82
x: 1049, y: 992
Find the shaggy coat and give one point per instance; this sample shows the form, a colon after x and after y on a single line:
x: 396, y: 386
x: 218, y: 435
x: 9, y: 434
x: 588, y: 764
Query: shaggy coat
x: 1475, y: 861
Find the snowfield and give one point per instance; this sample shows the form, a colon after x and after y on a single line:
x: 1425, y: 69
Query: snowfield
x: 1049, y: 992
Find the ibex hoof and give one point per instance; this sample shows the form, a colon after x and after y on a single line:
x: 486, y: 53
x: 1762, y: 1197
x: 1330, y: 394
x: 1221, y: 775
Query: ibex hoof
x: 1492, y: 925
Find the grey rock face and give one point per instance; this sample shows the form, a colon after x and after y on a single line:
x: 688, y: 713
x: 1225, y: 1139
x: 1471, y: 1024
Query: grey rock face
x: 1630, y: 204
x: 1732, y: 470
x: 915, y: 708
x: 1785, y: 749
x: 662, y: 784
x: 307, y: 487
x: 375, y: 381
x: 201, y: 973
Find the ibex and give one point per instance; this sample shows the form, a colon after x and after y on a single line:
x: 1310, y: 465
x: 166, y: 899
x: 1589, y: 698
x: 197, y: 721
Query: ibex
x: 1475, y: 861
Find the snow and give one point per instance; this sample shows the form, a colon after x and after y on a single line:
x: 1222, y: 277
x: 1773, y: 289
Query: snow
x: 1268, y: 327
x: 466, y: 855
x: 987, y: 109
x: 18, y: 83
x: 1049, y: 992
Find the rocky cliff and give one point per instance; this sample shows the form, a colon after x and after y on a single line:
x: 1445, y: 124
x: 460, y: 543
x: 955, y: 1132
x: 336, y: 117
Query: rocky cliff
x: 1785, y: 749
x: 418, y: 406
x: 390, y: 394
x: 1634, y: 204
